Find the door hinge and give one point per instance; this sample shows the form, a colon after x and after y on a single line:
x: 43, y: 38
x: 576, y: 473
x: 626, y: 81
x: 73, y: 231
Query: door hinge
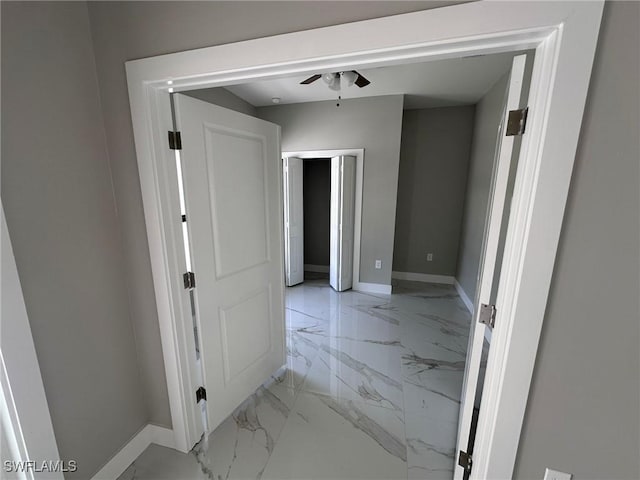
x: 189, y: 279
x: 175, y: 141
x: 517, y: 121
x: 465, y: 461
x: 201, y: 394
x: 488, y: 315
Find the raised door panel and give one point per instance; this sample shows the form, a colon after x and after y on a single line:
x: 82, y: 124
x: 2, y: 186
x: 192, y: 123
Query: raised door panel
x: 236, y: 177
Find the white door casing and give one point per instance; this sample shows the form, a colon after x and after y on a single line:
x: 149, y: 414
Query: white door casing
x: 293, y: 221
x: 231, y: 170
x: 25, y: 421
x: 564, y: 36
x: 503, y: 160
x: 342, y: 217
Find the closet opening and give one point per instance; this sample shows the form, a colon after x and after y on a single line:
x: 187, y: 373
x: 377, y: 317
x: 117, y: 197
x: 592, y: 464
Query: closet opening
x: 320, y: 197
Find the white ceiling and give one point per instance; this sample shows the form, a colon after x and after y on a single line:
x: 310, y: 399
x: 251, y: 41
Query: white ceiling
x: 459, y: 81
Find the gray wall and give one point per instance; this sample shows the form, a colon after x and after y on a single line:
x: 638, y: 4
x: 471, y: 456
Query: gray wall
x: 487, y: 119
x: 61, y: 214
x: 224, y: 98
x: 583, y: 410
x: 128, y: 30
x: 374, y: 124
x: 434, y: 159
x: 317, y: 210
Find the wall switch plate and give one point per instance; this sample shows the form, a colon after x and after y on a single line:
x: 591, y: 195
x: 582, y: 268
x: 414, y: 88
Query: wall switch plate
x: 429, y: 257
x: 556, y: 475
x: 378, y: 264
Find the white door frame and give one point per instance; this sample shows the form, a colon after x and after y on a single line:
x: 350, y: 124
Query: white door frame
x: 357, y: 223
x: 564, y: 36
x: 24, y: 411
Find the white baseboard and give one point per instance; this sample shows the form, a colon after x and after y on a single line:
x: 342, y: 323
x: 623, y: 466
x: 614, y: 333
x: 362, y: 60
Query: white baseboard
x: 423, y: 277
x: 133, y: 448
x: 463, y: 295
x: 372, y: 288
x: 316, y: 268
x: 163, y: 436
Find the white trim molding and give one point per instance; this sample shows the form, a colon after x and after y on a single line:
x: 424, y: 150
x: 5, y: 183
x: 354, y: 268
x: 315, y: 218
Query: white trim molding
x: 424, y: 277
x: 372, y: 288
x: 316, y: 268
x: 25, y: 420
x: 564, y: 35
x: 133, y: 448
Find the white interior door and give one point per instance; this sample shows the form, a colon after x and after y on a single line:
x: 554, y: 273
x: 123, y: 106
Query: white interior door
x: 334, y: 224
x: 293, y: 221
x: 232, y: 182
x: 505, y: 160
x: 342, y: 218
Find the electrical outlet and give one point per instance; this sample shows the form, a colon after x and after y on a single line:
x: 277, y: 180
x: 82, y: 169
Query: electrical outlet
x: 556, y: 475
x: 378, y: 264
x: 429, y: 257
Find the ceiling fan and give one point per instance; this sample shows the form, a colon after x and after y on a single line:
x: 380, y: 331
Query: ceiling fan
x: 335, y: 79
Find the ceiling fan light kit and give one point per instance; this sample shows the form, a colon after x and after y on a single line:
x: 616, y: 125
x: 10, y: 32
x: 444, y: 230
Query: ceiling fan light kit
x: 335, y: 80
x: 349, y: 78
x: 329, y: 78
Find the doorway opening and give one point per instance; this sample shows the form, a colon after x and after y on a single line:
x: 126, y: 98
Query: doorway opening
x: 415, y: 367
x: 317, y: 210
x: 323, y: 230
x: 320, y: 219
x: 564, y: 39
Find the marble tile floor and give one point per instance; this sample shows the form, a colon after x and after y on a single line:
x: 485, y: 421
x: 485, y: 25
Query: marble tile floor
x: 371, y: 390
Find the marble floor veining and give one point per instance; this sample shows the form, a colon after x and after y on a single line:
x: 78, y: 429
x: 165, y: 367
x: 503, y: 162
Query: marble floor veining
x: 371, y: 390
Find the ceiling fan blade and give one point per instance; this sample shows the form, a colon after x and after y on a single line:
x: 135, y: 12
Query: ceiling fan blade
x: 311, y: 79
x: 361, y: 81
